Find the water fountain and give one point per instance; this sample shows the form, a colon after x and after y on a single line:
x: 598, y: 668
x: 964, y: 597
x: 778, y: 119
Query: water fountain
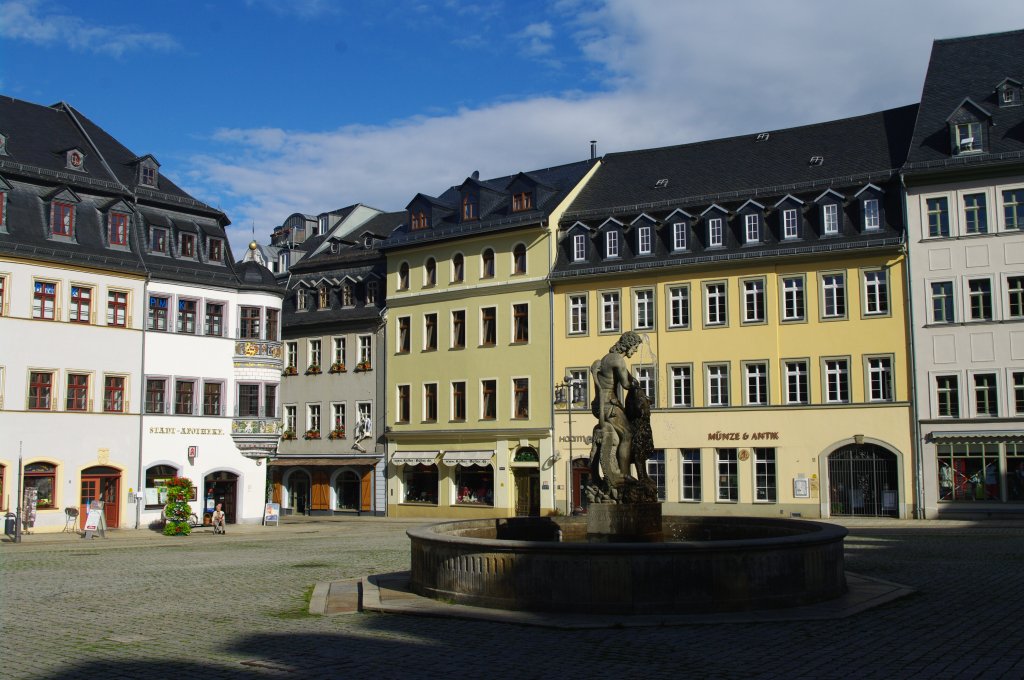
x: 624, y: 557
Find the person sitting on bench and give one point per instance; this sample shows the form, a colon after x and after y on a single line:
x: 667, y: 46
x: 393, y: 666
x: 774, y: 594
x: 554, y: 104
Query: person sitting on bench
x: 218, y: 520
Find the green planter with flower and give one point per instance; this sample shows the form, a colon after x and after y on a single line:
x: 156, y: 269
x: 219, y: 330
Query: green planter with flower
x: 177, y: 510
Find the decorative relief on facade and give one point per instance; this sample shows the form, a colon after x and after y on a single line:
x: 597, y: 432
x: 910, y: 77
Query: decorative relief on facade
x: 249, y: 348
x: 242, y: 426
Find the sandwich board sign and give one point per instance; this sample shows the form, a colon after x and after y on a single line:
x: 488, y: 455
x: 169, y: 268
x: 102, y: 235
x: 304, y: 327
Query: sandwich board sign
x: 95, y: 523
x: 272, y: 513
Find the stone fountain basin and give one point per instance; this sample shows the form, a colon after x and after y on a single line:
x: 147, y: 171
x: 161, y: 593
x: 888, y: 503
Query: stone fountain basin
x: 706, y: 564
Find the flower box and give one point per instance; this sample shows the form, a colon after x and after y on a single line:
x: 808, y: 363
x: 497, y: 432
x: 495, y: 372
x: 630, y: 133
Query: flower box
x: 337, y: 433
x: 311, y: 434
x: 337, y: 368
x: 314, y: 369
x: 291, y: 370
x: 288, y: 435
x: 364, y: 366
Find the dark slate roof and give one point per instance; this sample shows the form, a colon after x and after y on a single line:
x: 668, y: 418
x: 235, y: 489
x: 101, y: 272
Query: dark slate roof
x: 861, y: 157
x: 722, y: 169
x: 35, y: 167
x: 370, y: 267
x: 255, y: 276
x: 556, y: 183
x: 969, y: 68
x: 350, y: 249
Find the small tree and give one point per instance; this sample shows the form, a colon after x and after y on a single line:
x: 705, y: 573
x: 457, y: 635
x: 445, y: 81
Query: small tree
x: 179, y: 490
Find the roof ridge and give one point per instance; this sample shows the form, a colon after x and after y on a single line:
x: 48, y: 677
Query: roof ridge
x: 983, y: 36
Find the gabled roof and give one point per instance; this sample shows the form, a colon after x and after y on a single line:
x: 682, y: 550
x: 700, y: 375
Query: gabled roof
x: 968, y: 70
x: 968, y: 102
x: 787, y: 197
x: 829, y: 192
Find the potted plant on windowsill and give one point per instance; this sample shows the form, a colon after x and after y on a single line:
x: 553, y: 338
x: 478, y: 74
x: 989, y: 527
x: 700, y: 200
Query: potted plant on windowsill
x: 364, y: 366
x: 337, y: 433
x: 288, y: 435
x: 290, y: 370
x: 337, y: 367
x: 312, y: 434
x: 314, y: 369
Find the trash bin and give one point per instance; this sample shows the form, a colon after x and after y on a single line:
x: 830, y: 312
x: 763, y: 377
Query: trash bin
x: 9, y: 520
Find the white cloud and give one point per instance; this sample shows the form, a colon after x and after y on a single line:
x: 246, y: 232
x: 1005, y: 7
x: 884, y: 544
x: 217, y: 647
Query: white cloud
x: 27, y: 20
x: 671, y: 73
x: 536, y: 39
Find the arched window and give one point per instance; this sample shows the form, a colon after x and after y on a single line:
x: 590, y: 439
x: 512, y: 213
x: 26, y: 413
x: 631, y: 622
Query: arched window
x: 43, y: 478
x: 487, y: 264
x: 430, y: 272
x: 403, y: 276
x: 519, y: 259
x: 458, y: 268
x: 157, y: 478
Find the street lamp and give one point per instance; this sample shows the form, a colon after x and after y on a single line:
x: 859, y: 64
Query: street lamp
x: 565, y: 393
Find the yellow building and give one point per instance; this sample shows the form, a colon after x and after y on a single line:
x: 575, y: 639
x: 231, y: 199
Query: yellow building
x: 469, y: 348
x: 766, y: 276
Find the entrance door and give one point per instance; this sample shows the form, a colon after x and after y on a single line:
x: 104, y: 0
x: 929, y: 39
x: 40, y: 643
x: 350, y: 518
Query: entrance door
x: 298, y: 492
x: 101, y: 483
x: 863, y: 481
x: 222, y: 487
x: 527, y: 492
x: 348, y: 490
x: 321, y: 494
x: 580, y: 479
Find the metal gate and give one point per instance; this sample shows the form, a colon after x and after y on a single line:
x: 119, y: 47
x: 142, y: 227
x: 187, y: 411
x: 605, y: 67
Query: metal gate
x: 863, y: 482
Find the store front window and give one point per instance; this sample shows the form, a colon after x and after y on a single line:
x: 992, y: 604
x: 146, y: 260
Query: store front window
x: 475, y: 485
x: 42, y: 477
x: 348, y: 490
x: 420, y: 482
x: 157, y: 478
x: 976, y: 471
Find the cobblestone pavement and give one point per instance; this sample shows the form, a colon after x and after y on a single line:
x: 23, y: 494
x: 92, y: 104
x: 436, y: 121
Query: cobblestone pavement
x: 138, y: 605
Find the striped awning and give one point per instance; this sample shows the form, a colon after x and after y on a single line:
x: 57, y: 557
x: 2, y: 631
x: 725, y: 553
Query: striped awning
x: 415, y: 457
x: 453, y: 458
x: 974, y: 435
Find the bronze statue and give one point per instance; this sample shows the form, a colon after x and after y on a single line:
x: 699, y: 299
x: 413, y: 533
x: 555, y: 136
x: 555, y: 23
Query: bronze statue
x: 622, y: 437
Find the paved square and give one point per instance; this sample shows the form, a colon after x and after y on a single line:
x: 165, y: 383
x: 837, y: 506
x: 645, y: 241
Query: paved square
x: 139, y: 605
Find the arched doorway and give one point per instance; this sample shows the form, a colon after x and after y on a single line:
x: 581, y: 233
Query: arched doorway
x: 101, y: 483
x: 527, y: 479
x: 863, y: 481
x: 299, y: 487
x: 347, y: 488
x: 222, y: 487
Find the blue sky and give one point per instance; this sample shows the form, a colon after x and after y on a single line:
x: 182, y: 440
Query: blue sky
x: 264, y: 108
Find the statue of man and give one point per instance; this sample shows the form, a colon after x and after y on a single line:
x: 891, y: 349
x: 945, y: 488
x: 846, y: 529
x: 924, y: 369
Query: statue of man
x: 612, y: 435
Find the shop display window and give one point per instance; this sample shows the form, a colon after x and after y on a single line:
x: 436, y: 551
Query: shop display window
x: 420, y: 483
x: 157, y: 478
x: 42, y: 477
x: 475, y: 485
x: 969, y: 472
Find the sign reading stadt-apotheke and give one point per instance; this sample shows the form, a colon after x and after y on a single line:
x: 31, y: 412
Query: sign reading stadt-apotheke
x: 187, y: 430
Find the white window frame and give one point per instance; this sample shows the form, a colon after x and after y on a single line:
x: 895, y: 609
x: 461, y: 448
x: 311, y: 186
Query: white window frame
x: 833, y: 294
x: 716, y: 384
x: 756, y: 384
x: 872, y: 215
x: 610, y: 304
x: 878, y: 372
x: 579, y: 247
x: 643, y: 309
x: 790, y: 223
x: 830, y: 218
x: 716, y: 233
x: 647, y: 377
x: 643, y: 240
x: 611, y: 244
x: 876, y: 292
x: 716, y: 297
x: 579, y: 322
x: 836, y: 375
x: 314, y: 420
x: 681, y: 392
x: 752, y: 227
x: 794, y: 298
x: 798, y: 381
x: 366, y: 349
x: 679, y: 306
x: 754, y: 301
x: 678, y: 236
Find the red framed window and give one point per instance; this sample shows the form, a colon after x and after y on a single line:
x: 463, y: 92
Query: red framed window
x: 44, y: 300
x: 159, y: 240
x: 81, y: 305
x: 184, y: 397
x: 113, y: 394
x: 249, y: 327
x: 118, y: 229
x: 117, y: 308
x: 40, y: 390
x: 78, y: 392
x: 216, y: 249
x: 62, y: 220
x: 187, y: 316
x: 211, y: 398
x: 156, y: 389
x: 188, y: 245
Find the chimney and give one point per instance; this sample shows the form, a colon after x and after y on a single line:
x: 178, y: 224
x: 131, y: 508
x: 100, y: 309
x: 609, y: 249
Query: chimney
x: 476, y: 174
x: 593, y: 149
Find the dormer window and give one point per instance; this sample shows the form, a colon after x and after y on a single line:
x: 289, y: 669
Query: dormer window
x: 579, y: 247
x: 1008, y: 93
x: 678, y: 236
x: 323, y: 224
x: 216, y: 250
x: 62, y: 219
x: 752, y: 224
x: 371, y: 292
x: 716, y: 232
x: 611, y: 244
x: 872, y: 214
x: 830, y: 219
x: 522, y: 201
x: 346, y: 295
x: 418, y: 220
x: 158, y: 240
x: 967, y: 137
x: 3, y: 145
x: 118, y: 229
x: 323, y: 298
x: 790, y: 223
x: 282, y: 262
x: 188, y: 245
x: 470, y: 207
x: 147, y: 175
x: 643, y: 240
x: 300, y: 299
